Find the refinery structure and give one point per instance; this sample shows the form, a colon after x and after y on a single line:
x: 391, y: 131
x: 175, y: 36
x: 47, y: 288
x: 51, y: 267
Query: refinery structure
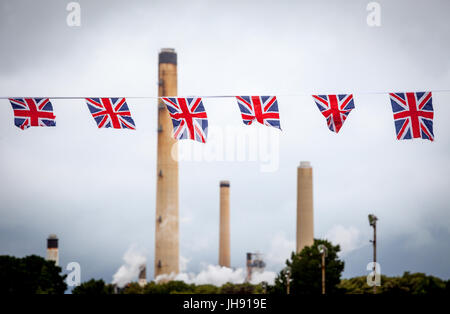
x: 166, y: 252
x: 142, y: 277
x: 255, y: 264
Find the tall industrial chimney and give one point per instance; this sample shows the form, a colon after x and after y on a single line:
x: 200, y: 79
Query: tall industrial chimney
x: 305, y: 212
x: 166, y: 231
x: 224, y: 232
x: 52, y: 249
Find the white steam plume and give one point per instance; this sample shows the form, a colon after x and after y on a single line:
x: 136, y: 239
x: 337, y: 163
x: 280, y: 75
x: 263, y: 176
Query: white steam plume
x: 128, y: 272
x: 218, y: 275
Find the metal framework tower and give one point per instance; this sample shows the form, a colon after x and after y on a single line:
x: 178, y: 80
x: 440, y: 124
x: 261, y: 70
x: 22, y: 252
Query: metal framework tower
x: 255, y: 263
x: 142, y: 278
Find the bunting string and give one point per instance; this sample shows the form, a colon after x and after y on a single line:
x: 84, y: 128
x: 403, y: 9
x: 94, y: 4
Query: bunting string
x: 222, y: 96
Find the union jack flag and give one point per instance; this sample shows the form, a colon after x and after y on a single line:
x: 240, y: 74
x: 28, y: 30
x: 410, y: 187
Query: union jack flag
x: 189, y: 118
x: 413, y: 115
x: 263, y: 109
x: 32, y: 112
x: 335, y: 108
x: 111, y: 113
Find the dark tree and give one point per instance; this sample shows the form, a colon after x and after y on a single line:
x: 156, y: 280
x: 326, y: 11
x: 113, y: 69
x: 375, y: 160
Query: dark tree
x: 206, y: 289
x: 408, y: 284
x: 243, y: 288
x: 30, y: 275
x: 306, y: 274
x: 173, y: 287
x: 93, y: 286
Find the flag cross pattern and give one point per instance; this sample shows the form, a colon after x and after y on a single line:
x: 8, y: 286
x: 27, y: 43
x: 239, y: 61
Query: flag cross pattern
x: 263, y: 109
x: 413, y: 115
x: 189, y: 118
x: 111, y: 112
x: 32, y: 112
x: 335, y: 108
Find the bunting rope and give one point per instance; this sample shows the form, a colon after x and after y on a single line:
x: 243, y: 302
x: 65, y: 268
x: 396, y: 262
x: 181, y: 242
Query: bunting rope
x: 225, y: 96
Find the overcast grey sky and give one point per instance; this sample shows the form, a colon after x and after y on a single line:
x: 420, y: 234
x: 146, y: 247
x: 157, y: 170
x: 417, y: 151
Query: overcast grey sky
x: 96, y: 188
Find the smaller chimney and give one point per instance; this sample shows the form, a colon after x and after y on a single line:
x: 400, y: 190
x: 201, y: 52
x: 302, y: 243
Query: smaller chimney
x: 224, y: 228
x: 305, y: 208
x: 52, y: 249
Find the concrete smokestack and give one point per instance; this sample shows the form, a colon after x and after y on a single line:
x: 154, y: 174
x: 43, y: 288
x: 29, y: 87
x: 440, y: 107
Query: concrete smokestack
x: 224, y: 232
x: 166, y: 231
x: 305, y: 211
x: 52, y: 249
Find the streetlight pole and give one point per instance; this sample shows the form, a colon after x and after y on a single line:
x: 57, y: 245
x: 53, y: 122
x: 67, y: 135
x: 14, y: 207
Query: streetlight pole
x: 288, y: 279
x: 373, y: 222
x: 323, y: 273
x: 324, y: 251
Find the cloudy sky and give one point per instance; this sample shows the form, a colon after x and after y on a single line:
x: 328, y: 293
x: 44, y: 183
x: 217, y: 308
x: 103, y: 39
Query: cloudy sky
x: 96, y: 188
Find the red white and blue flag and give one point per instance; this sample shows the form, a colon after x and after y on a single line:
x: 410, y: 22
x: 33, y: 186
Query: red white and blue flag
x: 189, y: 118
x: 111, y: 113
x: 263, y: 109
x: 413, y: 115
x: 32, y: 112
x: 335, y: 108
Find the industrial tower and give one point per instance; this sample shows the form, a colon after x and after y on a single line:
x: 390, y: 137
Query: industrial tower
x: 305, y: 210
x: 52, y: 249
x: 224, y: 225
x: 166, y: 231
